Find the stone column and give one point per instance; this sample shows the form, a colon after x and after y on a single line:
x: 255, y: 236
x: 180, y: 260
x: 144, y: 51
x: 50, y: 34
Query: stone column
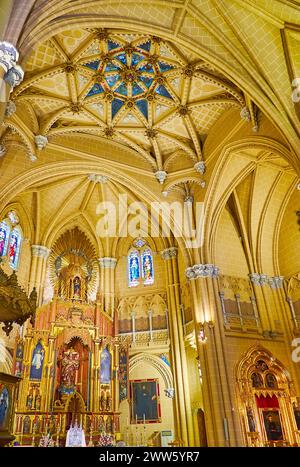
x: 107, y: 283
x: 183, y: 414
x: 222, y: 427
x: 37, y: 275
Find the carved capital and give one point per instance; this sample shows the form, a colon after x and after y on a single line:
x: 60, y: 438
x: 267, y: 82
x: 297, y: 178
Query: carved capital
x: 8, y: 55
x: 14, y: 76
x: 200, y: 167
x: 276, y: 282
x: 41, y: 141
x: 202, y: 270
x: 169, y: 253
x: 98, y: 178
x: 107, y: 263
x: 161, y: 176
x: 40, y: 251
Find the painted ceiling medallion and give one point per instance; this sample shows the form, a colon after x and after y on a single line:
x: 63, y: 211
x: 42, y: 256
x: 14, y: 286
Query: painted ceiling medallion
x: 130, y: 72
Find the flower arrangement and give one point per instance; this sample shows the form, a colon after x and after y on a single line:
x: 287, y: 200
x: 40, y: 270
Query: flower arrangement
x: 106, y: 440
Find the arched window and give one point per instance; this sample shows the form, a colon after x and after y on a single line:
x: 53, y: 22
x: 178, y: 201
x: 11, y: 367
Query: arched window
x: 4, y: 237
x: 140, y: 264
x: 133, y: 268
x: 11, y: 239
x: 15, y: 241
x: 147, y: 267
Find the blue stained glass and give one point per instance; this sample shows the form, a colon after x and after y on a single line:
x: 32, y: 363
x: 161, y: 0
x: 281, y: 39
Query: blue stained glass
x: 112, y: 45
x: 96, y: 89
x: 111, y: 80
x: 142, y: 105
x: 133, y: 264
x: 4, y: 235
x: 115, y: 106
x: 14, y: 248
x: 162, y: 91
x: 93, y: 65
x: 122, y: 58
x: 122, y: 89
x: 146, y: 80
x: 147, y: 68
x: 136, y: 89
x: 145, y: 46
x: 165, y: 66
x: 111, y: 67
x: 136, y: 59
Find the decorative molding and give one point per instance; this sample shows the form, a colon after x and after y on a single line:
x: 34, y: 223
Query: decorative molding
x: 202, y: 270
x: 14, y: 76
x: 32, y: 157
x: 200, y: 167
x: 98, y: 178
x: 144, y: 358
x: 40, y: 251
x: 41, y: 141
x: 169, y: 253
x: 108, y: 263
x: 10, y: 108
x: 245, y: 114
x: 189, y: 199
x: 161, y: 176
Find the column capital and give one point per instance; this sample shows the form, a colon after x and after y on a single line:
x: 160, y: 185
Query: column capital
x: 170, y: 392
x: 107, y: 263
x: 202, y: 270
x: 40, y: 251
x: 14, y: 76
x: 169, y: 253
x: 8, y: 55
x: 275, y: 282
x: 41, y: 141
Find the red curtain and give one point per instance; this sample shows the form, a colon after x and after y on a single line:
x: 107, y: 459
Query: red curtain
x: 268, y: 402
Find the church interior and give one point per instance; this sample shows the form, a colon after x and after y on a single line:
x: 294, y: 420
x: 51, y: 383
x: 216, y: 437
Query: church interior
x: 112, y: 332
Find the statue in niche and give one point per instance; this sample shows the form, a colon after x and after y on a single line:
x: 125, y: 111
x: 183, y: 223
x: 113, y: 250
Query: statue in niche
x: 77, y: 288
x: 69, y: 365
x: 102, y: 402
x: 29, y: 401
x: 108, y: 403
x: 251, y: 421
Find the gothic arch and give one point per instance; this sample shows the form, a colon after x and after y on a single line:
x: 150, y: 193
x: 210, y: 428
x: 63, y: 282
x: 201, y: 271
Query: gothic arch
x: 156, y: 362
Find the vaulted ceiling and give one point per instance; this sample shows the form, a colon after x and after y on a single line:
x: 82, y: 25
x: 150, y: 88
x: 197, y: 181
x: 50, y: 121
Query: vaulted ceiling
x: 136, y: 89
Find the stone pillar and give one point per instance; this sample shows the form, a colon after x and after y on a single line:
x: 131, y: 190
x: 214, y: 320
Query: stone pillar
x: 184, y: 429
x: 218, y: 394
x: 11, y: 74
x: 260, y: 282
x: 107, y: 283
x: 37, y: 275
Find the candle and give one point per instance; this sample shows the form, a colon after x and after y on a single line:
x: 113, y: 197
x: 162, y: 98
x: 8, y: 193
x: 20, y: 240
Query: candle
x: 136, y: 418
x: 144, y: 419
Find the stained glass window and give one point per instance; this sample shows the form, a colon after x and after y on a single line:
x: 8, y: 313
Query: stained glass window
x: 14, y: 247
x: 147, y: 267
x: 133, y: 268
x: 4, y: 236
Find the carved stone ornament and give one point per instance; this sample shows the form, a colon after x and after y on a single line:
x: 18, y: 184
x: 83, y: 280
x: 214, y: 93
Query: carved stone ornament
x: 108, y: 263
x: 169, y: 253
x: 202, y: 270
x: 40, y: 251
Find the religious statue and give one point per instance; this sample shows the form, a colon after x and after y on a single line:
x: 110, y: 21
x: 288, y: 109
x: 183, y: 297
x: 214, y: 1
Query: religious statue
x: 69, y: 366
x: 4, y: 401
x: 102, y: 402
x: 38, y: 402
x: 37, y: 362
x: 29, y: 401
x: 77, y: 288
x: 251, y: 421
x: 108, y: 402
